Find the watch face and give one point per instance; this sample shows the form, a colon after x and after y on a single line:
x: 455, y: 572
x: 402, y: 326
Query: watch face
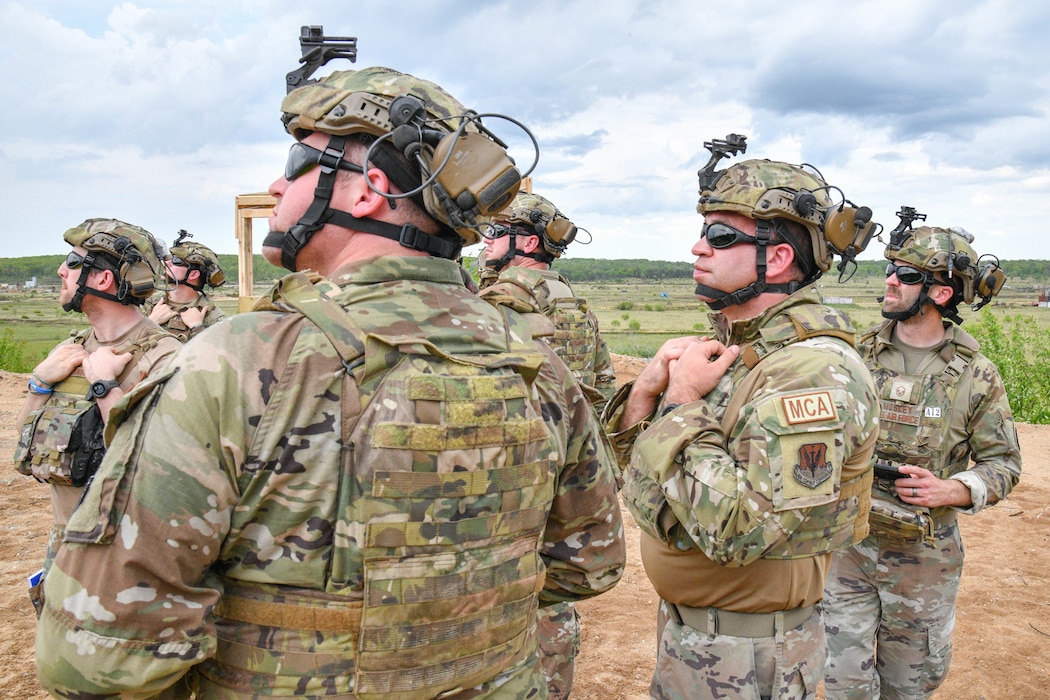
x: 100, y: 389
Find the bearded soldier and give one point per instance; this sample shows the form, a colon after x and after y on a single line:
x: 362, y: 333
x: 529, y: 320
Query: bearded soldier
x: 109, y: 272
x: 947, y: 445
x: 519, y: 249
x: 748, y: 456
x: 184, y: 308
x: 379, y: 475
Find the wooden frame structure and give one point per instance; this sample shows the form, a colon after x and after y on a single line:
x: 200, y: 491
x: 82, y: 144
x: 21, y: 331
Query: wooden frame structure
x: 249, y: 206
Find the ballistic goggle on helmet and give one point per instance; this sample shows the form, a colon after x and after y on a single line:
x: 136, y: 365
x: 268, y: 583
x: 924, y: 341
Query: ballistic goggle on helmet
x: 465, y: 171
x: 949, y: 253
x: 766, y: 189
x: 537, y: 216
x: 130, y: 249
x: 201, y: 257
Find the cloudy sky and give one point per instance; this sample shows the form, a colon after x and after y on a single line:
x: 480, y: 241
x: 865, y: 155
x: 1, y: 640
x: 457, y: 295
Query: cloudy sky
x: 160, y: 112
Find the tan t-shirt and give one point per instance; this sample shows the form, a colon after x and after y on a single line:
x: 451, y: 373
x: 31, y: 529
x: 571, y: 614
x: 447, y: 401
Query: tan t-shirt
x: 64, y: 498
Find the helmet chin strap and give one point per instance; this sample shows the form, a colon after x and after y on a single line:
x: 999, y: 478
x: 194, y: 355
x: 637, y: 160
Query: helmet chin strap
x: 320, y: 213
x: 500, y: 264
x: 916, y: 308
x: 722, y: 299
x: 77, y: 302
x: 199, y: 287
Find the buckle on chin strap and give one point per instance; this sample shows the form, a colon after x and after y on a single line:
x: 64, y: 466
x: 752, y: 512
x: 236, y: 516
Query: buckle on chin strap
x: 412, y: 237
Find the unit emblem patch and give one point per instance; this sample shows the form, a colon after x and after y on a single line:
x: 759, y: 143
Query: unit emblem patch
x: 813, y: 467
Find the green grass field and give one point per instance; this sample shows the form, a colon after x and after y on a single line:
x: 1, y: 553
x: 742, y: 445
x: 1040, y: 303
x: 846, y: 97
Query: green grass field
x: 37, y: 322
x: 636, y: 317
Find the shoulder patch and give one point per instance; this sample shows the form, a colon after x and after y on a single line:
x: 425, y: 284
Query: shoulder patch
x: 813, y: 467
x: 813, y: 407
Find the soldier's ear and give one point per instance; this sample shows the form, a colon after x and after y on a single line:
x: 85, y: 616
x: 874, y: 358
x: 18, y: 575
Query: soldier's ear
x: 104, y: 279
x: 779, y: 259
x: 941, y: 294
x: 530, y: 244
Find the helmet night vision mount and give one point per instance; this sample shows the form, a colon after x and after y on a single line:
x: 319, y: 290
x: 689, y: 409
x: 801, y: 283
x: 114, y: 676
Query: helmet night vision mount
x: 436, y: 152
x: 772, y: 192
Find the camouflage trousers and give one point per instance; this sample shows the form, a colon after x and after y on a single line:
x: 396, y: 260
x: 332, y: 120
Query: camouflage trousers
x: 690, y: 664
x: 558, y: 640
x: 522, y: 681
x: 889, y: 612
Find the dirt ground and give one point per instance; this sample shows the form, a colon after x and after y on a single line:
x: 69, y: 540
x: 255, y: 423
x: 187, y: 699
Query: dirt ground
x: 1002, y: 639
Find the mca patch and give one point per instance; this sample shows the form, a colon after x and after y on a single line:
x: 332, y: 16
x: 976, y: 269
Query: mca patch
x: 813, y: 467
x: 809, y: 408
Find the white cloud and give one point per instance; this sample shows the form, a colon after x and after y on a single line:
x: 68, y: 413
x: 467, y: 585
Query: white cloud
x: 161, y: 111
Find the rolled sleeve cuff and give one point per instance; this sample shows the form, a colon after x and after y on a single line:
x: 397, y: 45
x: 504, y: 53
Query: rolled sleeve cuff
x: 622, y: 437
x: 978, y: 492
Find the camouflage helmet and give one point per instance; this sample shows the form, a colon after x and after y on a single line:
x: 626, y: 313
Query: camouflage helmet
x: 358, y: 101
x: 201, y: 257
x: 948, y: 251
x: 474, y: 173
x: 539, y: 217
x: 131, y: 249
x: 767, y: 189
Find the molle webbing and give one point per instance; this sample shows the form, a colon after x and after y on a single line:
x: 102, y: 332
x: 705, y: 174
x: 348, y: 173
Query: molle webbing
x: 50, y: 447
x: 236, y: 604
x: 446, y: 492
x: 753, y: 353
x: 575, y: 339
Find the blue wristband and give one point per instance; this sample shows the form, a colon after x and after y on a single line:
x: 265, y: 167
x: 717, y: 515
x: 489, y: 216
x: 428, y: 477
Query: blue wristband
x: 37, y: 389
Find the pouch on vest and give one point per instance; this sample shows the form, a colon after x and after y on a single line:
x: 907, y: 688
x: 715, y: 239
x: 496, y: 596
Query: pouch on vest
x: 891, y: 519
x: 44, y: 448
x: 87, y: 446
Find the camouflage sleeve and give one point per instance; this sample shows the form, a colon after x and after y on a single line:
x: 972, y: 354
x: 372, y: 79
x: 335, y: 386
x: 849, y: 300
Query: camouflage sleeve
x: 215, y: 314
x: 993, y: 441
x: 604, y: 374
x: 735, y: 496
x: 621, y: 437
x: 583, y: 544
x: 121, y: 617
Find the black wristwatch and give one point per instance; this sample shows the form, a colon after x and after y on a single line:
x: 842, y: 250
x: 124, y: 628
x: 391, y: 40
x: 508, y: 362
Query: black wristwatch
x: 100, y: 389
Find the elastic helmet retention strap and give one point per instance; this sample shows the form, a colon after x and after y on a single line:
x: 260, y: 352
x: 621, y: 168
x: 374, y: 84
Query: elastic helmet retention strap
x: 763, y: 237
x: 76, y: 303
x: 949, y: 312
x: 320, y: 212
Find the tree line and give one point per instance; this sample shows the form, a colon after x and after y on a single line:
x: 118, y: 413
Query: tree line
x: 16, y: 271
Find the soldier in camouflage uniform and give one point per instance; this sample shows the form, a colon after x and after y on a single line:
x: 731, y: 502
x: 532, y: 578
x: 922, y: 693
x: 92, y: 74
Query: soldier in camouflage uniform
x: 520, y: 248
x: 748, y: 457
x: 946, y: 425
x: 378, y: 475
x: 185, y: 309
x: 110, y: 271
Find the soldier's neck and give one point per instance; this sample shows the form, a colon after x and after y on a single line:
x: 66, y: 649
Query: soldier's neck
x: 923, y: 330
